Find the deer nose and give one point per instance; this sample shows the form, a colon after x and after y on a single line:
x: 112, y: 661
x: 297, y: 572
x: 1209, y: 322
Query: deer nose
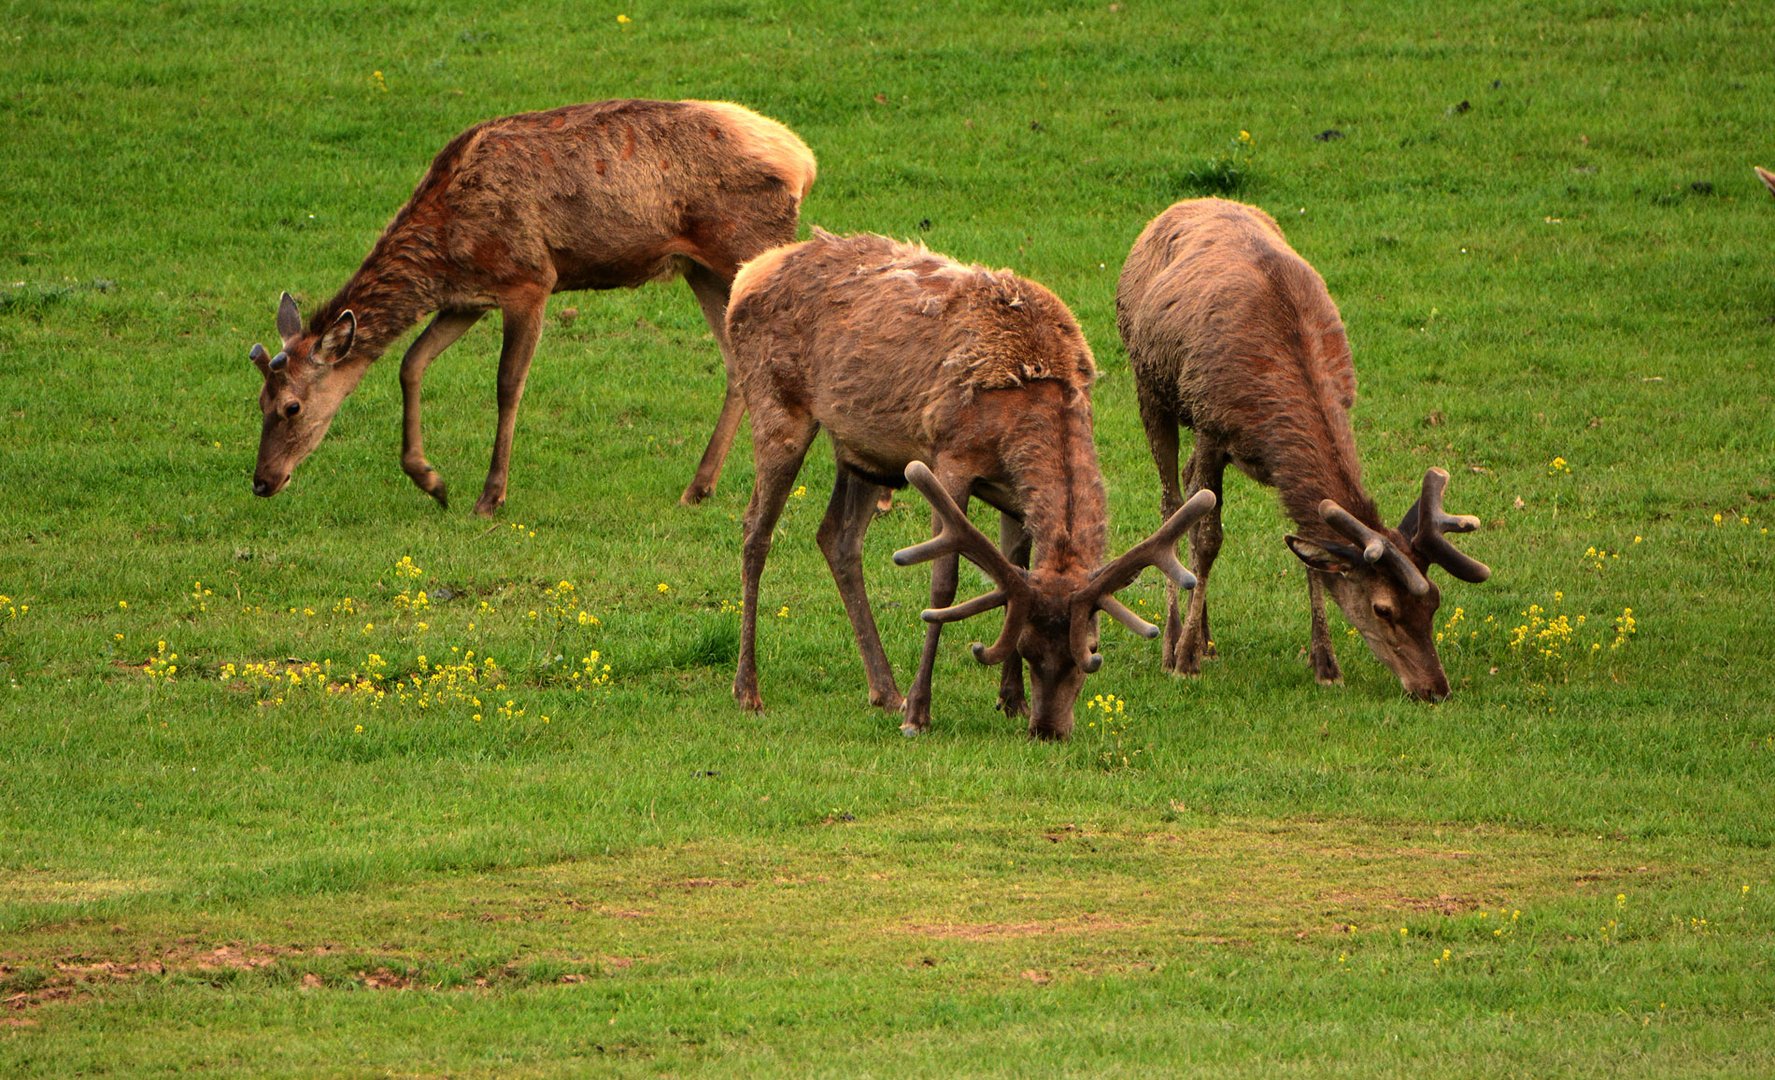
x: 261, y: 488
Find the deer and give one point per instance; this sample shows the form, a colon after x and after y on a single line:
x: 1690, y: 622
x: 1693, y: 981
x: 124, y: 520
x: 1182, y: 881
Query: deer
x: 1767, y: 177
x: 1231, y: 333
x: 963, y: 382
x: 606, y: 195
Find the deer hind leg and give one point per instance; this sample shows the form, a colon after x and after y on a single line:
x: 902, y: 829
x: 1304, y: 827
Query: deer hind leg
x: 944, y: 573
x: 1014, y: 542
x: 1207, y: 466
x: 711, y: 291
x: 841, y: 540
x: 1321, y: 655
x: 445, y: 328
x: 778, y: 447
x: 522, y: 315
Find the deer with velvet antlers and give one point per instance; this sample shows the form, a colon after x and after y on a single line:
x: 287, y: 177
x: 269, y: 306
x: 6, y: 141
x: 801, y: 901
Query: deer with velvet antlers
x: 607, y: 195
x: 1233, y: 334
x: 964, y: 382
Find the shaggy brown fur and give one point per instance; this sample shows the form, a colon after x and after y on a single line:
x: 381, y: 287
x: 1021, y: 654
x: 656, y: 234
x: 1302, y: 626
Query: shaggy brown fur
x: 906, y: 356
x: 1232, y: 333
x: 607, y: 195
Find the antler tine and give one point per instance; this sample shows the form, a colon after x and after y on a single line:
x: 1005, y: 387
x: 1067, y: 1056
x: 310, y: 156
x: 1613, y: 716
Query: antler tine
x: 1373, y: 544
x: 959, y: 536
x: 1159, y: 549
x: 967, y: 609
x: 1429, y: 521
x: 1375, y: 547
x: 1097, y: 594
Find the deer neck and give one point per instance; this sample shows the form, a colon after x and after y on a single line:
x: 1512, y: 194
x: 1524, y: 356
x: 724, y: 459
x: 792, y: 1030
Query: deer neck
x: 1052, y: 461
x: 390, y: 292
x: 1336, y: 477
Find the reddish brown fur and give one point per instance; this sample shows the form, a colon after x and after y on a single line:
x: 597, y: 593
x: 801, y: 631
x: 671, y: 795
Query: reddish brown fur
x: 1232, y: 333
x: 517, y: 208
x: 902, y: 356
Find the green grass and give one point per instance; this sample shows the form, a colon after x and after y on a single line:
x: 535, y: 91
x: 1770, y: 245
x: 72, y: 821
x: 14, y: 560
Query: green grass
x: 194, y: 877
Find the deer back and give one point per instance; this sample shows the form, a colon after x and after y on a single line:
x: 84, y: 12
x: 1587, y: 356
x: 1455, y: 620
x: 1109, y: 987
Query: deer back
x: 890, y: 346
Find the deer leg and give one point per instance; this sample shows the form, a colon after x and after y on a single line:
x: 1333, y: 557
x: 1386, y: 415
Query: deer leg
x: 841, y: 540
x: 522, y: 315
x: 1207, y: 465
x: 778, y: 447
x: 1161, y: 439
x: 1014, y: 542
x: 711, y: 291
x: 1321, y: 655
x: 445, y: 328
x: 944, y: 573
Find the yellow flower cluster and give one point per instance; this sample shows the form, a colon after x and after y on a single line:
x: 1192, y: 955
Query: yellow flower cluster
x: 1547, y: 634
x: 162, y: 666
x: 1111, y: 728
x: 563, y: 606
x: 10, y: 609
x: 1598, y: 558
x: 200, y: 596
x: 1625, y: 627
x: 1557, y: 466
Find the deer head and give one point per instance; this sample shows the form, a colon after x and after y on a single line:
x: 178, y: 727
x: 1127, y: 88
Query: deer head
x: 1050, y: 618
x: 304, y: 385
x: 1379, y: 581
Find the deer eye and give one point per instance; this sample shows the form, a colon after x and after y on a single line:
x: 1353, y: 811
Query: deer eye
x: 1383, y: 610
x: 292, y: 408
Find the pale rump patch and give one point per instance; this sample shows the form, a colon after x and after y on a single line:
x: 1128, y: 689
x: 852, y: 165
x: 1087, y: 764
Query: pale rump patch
x: 757, y: 270
x: 770, y: 142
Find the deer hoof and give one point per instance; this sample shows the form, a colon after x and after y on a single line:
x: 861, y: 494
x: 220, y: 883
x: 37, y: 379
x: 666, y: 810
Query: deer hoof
x: 440, y: 495
x: 912, y: 730
x: 485, y: 507
x: 694, y: 494
x: 749, y: 700
x: 892, y: 702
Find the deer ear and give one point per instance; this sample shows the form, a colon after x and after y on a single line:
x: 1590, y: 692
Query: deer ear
x: 1319, y: 558
x: 336, y: 342
x: 1767, y: 177
x: 289, y: 320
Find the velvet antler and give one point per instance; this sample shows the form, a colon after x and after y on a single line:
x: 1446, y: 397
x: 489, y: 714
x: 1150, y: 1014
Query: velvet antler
x: 958, y: 536
x: 1425, y: 523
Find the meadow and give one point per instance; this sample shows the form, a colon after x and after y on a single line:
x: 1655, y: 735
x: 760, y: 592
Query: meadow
x: 340, y: 783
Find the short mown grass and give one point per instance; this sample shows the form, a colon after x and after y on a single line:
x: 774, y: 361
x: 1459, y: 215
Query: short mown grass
x: 1556, y: 267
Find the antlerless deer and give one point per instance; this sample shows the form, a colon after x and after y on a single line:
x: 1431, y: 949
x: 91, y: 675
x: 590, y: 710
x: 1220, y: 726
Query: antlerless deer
x: 1232, y: 333
x: 910, y: 359
x: 608, y: 195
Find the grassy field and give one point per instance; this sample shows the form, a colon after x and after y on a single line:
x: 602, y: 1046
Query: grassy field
x: 1558, y: 274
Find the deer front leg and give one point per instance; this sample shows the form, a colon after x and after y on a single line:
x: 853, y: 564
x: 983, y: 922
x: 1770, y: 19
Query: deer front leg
x: 778, y: 448
x: 1207, y: 466
x: 445, y: 328
x: 1321, y: 655
x: 944, y: 573
x: 1014, y: 542
x: 711, y: 292
x: 841, y: 540
x: 523, y: 326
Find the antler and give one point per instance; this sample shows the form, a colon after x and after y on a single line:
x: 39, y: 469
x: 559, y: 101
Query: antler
x: 1425, y: 523
x: 958, y: 536
x: 1160, y: 550
x: 1375, y: 547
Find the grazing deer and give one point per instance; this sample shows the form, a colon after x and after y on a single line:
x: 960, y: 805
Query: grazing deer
x: 608, y: 195
x: 1233, y: 334
x: 1767, y: 177
x: 907, y: 358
